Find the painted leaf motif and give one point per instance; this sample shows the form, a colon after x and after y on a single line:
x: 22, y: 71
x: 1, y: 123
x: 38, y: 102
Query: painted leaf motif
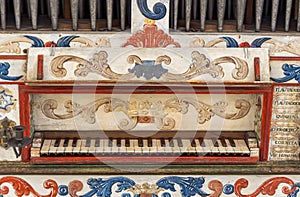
x: 189, y: 186
x: 103, y: 187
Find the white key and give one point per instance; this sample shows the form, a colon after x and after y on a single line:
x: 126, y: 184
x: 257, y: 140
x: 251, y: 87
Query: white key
x: 160, y: 149
x: 69, y: 148
x: 137, y: 149
x: 52, y: 149
x: 176, y: 149
x: 185, y: 145
x: 76, y: 149
x: 61, y: 149
x: 222, y: 149
x: 122, y: 148
x: 83, y: 148
x: 242, y: 146
x: 168, y: 148
x: 153, y: 149
x: 106, y: 148
x: 191, y: 149
x: 46, y: 146
x: 199, y: 148
x: 145, y: 147
x: 215, y: 148
x: 130, y: 149
x: 230, y: 149
x: 92, y: 148
x: 114, y: 147
x: 208, y: 146
x: 98, y: 148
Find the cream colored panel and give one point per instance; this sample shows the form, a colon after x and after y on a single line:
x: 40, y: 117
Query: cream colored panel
x: 142, y: 64
x: 122, y: 111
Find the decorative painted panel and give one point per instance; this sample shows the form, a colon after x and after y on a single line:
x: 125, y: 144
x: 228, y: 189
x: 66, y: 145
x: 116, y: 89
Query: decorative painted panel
x: 173, y: 65
x: 158, y: 186
x: 193, y: 112
x: 9, y: 108
x: 284, y: 134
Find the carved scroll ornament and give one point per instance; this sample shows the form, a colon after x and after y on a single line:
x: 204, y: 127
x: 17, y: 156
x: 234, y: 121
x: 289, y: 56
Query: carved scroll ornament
x: 159, y: 110
x: 150, y: 68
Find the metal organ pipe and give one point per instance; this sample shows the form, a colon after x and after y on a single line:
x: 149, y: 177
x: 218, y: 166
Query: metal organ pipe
x: 196, y: 15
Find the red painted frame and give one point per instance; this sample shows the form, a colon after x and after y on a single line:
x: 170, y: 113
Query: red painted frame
x: 230, y: 88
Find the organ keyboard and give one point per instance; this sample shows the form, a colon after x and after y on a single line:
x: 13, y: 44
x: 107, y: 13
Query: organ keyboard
x: 237, y: 145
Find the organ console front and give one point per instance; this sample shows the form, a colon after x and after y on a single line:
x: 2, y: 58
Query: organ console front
x: 149, y: 97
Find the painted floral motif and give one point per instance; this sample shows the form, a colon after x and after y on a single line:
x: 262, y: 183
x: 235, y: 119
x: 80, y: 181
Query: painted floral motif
x: 165, y: 187
x: 103, y: 187
x: 189, y: 186
x: 145, y: 38
x: 158, y: 110
x: 150, y: 68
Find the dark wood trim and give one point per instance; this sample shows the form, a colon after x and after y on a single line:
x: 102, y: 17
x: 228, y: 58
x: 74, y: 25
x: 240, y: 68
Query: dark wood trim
x: 261, y: 168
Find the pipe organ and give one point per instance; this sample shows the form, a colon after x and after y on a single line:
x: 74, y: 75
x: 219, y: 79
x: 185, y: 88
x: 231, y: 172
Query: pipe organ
x: 189, y: 15
x: 149, y: 98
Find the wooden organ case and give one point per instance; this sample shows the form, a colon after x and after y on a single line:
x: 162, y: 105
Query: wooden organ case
x: 182, y: 88
x: 131, y: 120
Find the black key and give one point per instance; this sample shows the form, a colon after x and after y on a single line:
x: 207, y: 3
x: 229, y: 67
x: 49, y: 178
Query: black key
x: 110, y: 142
x: 88, y: 142
x: 223, y: 142
x: 193, y: 143
x: 171, y: 142
x: 201, y: 141
x: 216, y: 144
x: 97, y: 142
x: 140, y: 142
x: 127, y: 142
x: 162, y: 142
x: 231, y: 142
x: 179, y: 142
x: 119, y: 142
x: 66, y: 142
x: 74, y: 143
x: 149, y: 142
x: 57, y: 141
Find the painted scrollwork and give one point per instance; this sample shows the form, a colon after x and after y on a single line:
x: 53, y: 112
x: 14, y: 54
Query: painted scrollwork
x: 205, y: 111
x: 13, y: 45
x: 23, y: 188
x: 150, y: 68
x: 98, y: 64
x: 87, y: 112
x: 269, y: 187
x: 276, y: 46
x: 159, y: 110
x: 159, y: 10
